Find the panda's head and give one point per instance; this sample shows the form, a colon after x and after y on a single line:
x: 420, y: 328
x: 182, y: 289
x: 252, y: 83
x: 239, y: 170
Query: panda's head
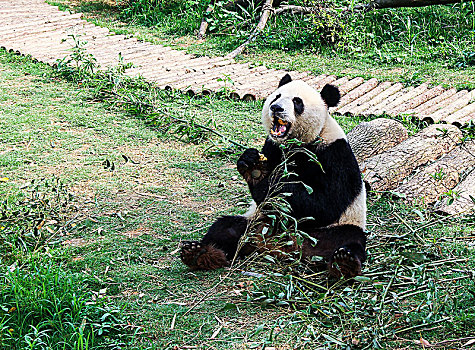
x: 297, y: 111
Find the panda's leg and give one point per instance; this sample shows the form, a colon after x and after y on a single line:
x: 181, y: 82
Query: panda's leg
x: 217, y: 247
x: 342, y: 246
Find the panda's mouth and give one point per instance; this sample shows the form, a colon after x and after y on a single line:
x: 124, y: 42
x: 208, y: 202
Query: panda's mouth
x: 280, y: 128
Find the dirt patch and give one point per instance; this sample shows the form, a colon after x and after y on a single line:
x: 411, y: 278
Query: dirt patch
x: 138, y: 232
x: 112, y: 3
x: 76, y: 242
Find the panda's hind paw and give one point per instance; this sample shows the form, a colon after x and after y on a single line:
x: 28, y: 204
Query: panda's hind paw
x: 344, y: 263
x: 202, y: 257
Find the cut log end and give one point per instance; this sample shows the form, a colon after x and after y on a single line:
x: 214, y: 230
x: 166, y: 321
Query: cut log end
x: 368, y: 139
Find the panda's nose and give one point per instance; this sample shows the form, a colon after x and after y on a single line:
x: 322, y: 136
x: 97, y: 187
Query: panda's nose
x: 276, y: 108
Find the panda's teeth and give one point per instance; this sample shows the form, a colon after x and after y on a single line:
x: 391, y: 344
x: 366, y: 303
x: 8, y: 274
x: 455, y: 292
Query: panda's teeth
x: 280, y: 127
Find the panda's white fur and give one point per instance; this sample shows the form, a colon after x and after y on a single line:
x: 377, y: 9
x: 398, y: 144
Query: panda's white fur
x: 315, y: 121
x: 355, y: 214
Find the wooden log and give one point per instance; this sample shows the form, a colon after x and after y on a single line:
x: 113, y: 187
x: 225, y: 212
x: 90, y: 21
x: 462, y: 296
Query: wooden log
x: 463, y: 204
x: 410, y: 95
x: 354, y: 106
x: 368, y: 139
x: 432, y: 105
x: 328, y: 80
x: 462, y: 116
x: 460, y: 100
x: 441, y: 176
x: 386, y: 170
x: 384, y: 4
x: 419, y: 100
x: 356, y: 93
x: 368, y: 107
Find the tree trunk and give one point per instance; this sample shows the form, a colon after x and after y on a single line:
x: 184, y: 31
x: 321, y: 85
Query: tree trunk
x: 383, y: 4
x: 372, y: 5
x: 440, y: 176
x: 384, y: 171
x: 266, y: 12
x: 204, y: 22
x: 463, y: 204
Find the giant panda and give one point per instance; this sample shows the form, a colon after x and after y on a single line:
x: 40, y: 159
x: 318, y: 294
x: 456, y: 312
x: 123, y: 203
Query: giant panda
x: 321, y: 183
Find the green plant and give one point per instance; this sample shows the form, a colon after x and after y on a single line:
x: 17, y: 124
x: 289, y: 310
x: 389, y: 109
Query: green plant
x: 79, y: 62
x: 44, y: 307
x: 227, y: 89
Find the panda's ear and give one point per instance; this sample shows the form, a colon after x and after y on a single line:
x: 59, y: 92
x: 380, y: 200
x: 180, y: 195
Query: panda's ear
x: 285, y: 80
x: 331, y: 95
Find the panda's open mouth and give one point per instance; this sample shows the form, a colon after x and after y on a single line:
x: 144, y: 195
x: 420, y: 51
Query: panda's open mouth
x: 280, y: 128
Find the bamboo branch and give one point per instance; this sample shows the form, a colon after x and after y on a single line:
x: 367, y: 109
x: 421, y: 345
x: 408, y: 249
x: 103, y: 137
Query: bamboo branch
x: 157, y: 111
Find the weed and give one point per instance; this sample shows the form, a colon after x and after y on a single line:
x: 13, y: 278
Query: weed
x: 34, y: 217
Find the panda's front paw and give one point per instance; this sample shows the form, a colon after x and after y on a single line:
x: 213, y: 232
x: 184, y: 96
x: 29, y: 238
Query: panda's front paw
x: 248, y: 160
x: 344, y: 263
x: 252, y: 165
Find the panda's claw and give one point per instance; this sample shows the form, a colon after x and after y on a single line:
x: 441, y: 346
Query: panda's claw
x: 345, y: 263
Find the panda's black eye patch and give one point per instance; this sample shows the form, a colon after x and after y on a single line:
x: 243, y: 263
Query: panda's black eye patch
x: 298, y: 105
x: 275, y: 99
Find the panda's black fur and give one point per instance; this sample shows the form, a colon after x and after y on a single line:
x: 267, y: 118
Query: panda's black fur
x: 333, y: 194
x: 340, y: 170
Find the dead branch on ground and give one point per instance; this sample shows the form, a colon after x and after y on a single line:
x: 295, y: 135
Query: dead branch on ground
x: 266, y: 12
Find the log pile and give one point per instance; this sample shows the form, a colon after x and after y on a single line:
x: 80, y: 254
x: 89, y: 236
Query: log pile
x: 433, y: 166
x: 441, y: 176
x: 386, y: 170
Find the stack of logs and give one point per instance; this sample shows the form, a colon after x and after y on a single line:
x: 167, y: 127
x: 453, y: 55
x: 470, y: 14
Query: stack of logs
x: 432, y: 166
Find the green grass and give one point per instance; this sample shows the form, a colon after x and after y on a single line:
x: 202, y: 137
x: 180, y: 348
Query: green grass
x: 45, y: 307
x: 433, y: 44
x: 122, y: 232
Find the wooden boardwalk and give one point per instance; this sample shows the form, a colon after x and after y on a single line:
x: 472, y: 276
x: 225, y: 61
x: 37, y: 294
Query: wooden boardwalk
x: 42, y: 31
